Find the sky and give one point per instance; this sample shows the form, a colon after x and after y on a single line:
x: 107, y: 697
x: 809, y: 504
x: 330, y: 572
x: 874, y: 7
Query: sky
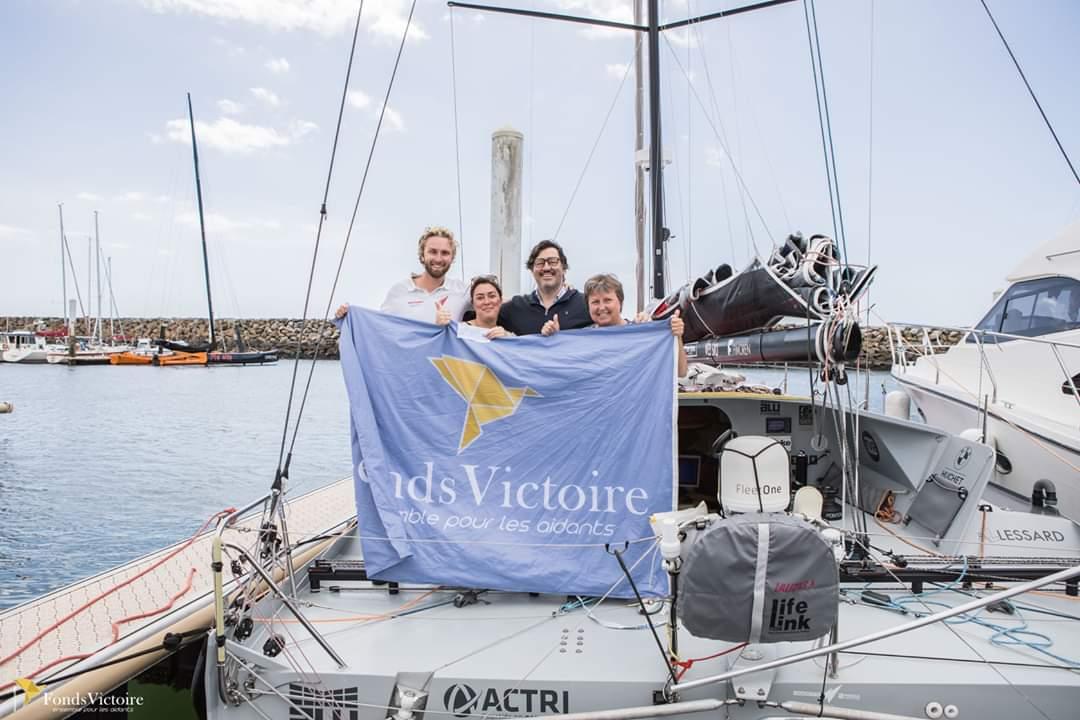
x: 947, y: 175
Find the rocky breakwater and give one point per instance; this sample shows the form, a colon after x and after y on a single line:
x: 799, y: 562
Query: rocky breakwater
x: 877, y: 350
x: 259, y: 334
x: 283, y: 334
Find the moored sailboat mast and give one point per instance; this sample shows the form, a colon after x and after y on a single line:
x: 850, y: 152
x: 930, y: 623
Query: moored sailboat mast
x: 63, y: 270
x: 97, y: 267
x: 202, y: 224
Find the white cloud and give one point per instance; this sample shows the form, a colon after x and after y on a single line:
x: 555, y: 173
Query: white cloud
x: 218, y: 223
x: 392, y: 24
x: 358, y: 99
x: 229, y: 107
x: 266, y: 96
x: 142, y: 217
x: 155, y: 138
x: 615, y: 10
x: 163, y: 198
x: 300, y: 128
x: 681, y: 38
x: 117, y: 246
x: 384, y: 18
x: 392, y: 119
x: 227, y: 135
x: 133, y: 196
x: 277, y: 65
x: 9, y: 231
x: 617, y: 70
x: 89, y: 197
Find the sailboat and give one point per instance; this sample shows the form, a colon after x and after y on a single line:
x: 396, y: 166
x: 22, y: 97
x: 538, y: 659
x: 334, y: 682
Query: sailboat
x: 93, y: 350
x: 903, y: 591
x: 888, y: 525
x: 145, y: 352
x: 184, y: 353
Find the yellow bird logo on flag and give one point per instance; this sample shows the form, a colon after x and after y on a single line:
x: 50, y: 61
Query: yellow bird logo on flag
x: 30, y: 689
x: 487, y: 398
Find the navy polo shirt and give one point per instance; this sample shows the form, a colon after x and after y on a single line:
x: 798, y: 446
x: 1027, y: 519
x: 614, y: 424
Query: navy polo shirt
x: 525, y: 314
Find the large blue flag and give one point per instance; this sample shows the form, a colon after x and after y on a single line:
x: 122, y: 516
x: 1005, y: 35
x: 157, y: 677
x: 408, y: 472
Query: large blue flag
x: 510, y: 464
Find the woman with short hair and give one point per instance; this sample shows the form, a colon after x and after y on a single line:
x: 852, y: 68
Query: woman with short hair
x: 604, y: 297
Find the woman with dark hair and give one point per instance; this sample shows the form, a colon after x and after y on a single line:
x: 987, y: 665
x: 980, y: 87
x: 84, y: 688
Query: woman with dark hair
x: 486, y: 296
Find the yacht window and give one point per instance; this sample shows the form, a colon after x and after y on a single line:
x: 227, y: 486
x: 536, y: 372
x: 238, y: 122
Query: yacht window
x: 1018, y: 314
x: 990, y: 323
x: 1033, y: 308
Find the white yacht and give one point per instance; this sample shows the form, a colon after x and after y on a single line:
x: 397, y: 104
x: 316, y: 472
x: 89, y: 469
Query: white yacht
x: 1012, y: 380
x: 23, y: 346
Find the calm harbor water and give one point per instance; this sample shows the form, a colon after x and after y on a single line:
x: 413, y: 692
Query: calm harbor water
x: 100, y: 465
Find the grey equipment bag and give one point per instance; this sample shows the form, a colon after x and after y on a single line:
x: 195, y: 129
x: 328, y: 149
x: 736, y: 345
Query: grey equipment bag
x: 759, y: 578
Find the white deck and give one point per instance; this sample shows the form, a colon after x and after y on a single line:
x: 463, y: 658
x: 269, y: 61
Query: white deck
x: 90, y: 628
x: 516, y: 643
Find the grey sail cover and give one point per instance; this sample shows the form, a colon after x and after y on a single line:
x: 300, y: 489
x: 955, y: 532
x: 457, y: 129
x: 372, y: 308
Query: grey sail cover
x: 760, y: 579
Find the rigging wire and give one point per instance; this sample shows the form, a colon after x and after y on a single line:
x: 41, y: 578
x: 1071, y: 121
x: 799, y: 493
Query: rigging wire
x: 716, y: 107
x: 738, y: 145
x: 763, y: 145
x: 315, y: 251
x: 689, y: 163
x: 870, y: 185
x: 75, y: 279
x: 596, y: 143
x: 828, y: 126
x: 908, y: 656
x: 1031, y: 92
x: 457, y: 144
x: 671, y: 124
x: 821, y: 116
x: 352, y: 221
x: 530, y: 158
x: 723, y: 145
x: 921, y: 599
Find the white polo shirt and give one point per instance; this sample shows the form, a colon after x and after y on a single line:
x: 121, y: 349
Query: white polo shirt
x: 407, y: 300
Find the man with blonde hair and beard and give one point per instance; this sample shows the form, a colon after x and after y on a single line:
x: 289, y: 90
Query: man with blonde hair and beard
x: 428, y: 296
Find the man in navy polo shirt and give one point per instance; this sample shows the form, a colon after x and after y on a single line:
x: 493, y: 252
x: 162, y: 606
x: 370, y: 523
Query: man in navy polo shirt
x: 552, y: 299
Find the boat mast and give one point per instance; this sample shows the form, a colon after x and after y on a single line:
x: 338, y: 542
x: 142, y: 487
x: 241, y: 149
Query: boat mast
x: 202, y: 223
x: 97, y: 267
x: 89, y: 310
x: 652, y: 29
x: 656, y: 170
x: 63, y: 268
x: 112, y: 300
x: 639, y: 168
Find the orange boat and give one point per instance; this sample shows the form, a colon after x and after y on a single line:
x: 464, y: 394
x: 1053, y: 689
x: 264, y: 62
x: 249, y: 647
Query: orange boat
x: 130, y: 358
x: 145, y: 353
x: 181, y: 358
